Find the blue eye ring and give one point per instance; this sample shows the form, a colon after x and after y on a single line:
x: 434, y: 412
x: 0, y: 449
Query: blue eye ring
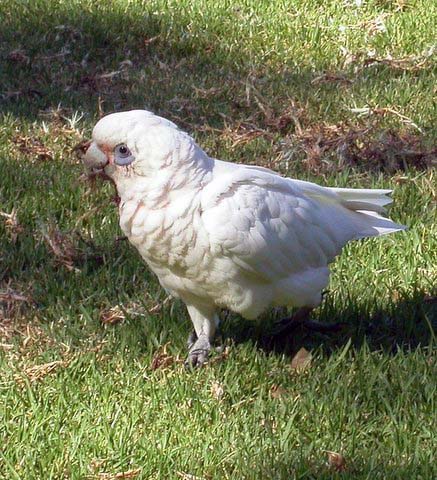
x: 122, y: 154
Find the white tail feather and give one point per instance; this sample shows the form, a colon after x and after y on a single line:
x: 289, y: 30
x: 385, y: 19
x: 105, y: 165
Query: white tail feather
x: 373, y: 200
x: 373, y: 225
x: 364, y: 205
x: 369, y: 204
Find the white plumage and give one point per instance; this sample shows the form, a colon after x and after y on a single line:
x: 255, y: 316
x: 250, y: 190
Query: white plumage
x: 224, y: 235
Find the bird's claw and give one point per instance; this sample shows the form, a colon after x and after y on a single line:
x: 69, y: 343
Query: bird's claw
x: 199, y: 352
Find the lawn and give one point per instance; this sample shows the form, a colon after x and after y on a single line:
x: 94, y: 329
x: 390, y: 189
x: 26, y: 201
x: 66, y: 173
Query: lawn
x: 92, y: 380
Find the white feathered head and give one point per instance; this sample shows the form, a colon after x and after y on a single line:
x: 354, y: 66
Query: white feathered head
x: 137, y: 143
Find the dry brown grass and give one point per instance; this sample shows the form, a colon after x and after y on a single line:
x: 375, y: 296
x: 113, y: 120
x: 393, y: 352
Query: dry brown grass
x: 331, y: 148
x: 69, y: 249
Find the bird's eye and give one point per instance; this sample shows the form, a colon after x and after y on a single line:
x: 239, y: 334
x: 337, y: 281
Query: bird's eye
x: 122, y: 155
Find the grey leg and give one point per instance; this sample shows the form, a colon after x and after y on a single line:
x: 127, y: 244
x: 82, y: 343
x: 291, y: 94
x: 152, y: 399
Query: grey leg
x: 205, y: 321
x: 191, y: 340
x: 302, y: 319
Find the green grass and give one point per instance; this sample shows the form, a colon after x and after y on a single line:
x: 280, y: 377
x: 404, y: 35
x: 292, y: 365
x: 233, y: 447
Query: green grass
x: 257, y: 82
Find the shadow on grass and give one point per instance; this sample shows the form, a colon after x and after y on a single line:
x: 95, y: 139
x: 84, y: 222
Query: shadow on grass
x: 406, y: 325
x: 81, y: 58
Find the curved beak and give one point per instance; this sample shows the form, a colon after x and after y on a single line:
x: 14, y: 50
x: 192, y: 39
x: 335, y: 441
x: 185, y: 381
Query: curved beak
x: 94, y: 159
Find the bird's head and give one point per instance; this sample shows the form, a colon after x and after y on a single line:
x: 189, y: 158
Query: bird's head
x: 138, y: 144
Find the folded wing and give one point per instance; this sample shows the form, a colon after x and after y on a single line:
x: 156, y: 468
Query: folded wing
x: 275, y: 227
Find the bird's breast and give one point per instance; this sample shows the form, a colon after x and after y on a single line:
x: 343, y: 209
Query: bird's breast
x: 169, y: 239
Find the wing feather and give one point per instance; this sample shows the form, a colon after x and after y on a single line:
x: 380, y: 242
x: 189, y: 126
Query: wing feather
x: 277, y: 227
x: 268, y: 225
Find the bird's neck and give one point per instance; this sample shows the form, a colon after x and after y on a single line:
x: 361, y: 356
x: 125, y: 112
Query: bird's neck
x: 164, y: 187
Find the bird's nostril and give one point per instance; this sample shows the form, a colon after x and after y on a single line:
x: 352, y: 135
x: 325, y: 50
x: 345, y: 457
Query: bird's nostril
x: 81, y: 148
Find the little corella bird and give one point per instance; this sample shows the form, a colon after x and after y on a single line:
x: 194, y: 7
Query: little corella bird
x: 223, y: 235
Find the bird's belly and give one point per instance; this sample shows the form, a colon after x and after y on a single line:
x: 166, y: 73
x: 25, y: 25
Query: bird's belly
x: 222, y: 283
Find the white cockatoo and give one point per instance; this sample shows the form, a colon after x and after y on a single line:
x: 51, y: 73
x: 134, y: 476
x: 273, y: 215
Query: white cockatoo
x: 224, y: 235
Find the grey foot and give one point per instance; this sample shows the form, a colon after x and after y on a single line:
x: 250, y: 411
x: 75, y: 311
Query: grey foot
x: 301, y: 319
x: 199, y: 352
x: 320, y: 327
